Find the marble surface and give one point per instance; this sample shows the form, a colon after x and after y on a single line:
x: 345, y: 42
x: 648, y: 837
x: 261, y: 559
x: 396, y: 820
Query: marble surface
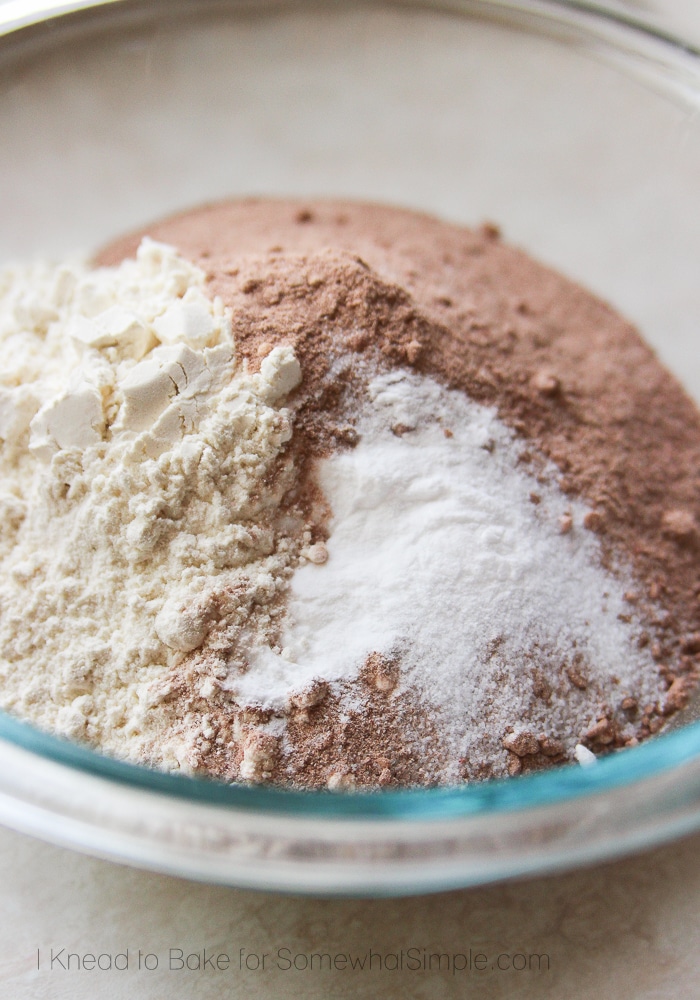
x: 627, y: 930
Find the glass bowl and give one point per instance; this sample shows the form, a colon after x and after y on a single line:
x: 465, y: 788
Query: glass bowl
x: 574, y: 128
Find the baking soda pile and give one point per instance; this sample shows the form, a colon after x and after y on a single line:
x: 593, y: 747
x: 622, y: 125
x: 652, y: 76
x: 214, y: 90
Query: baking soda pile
x: 447, y: 558
x: 168, y: 596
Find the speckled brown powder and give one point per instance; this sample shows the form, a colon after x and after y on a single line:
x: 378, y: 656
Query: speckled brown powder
x: 359, y: 288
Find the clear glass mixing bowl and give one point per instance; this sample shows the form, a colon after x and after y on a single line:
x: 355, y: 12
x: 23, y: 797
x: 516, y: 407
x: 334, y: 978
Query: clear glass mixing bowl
x: 576, y: 129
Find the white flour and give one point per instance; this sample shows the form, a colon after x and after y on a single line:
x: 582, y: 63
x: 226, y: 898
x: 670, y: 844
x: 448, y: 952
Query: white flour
x: 133, y: 457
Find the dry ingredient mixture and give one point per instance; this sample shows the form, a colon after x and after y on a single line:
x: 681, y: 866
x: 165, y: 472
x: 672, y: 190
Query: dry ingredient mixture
x: 339, y: 495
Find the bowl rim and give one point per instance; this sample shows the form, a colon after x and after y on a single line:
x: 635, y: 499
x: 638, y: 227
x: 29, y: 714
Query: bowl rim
x: 17, y: 15
x: 557, y: 786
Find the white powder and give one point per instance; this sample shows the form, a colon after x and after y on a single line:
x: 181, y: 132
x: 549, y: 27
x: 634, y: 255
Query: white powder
x: 584, y: 756
x: 132, y: 507
x: 438, y: 554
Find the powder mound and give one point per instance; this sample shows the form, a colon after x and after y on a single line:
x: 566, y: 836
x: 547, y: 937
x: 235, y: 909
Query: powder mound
x: 337, y: 495
x: 147, y: 478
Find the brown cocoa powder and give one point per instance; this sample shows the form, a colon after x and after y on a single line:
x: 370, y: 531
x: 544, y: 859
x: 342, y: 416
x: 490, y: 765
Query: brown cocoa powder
x: 357, y: 288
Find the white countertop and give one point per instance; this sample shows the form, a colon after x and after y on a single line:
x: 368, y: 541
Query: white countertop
x: 627, y: 930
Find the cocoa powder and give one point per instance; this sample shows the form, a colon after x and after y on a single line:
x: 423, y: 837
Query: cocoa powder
x: 357, y: 289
